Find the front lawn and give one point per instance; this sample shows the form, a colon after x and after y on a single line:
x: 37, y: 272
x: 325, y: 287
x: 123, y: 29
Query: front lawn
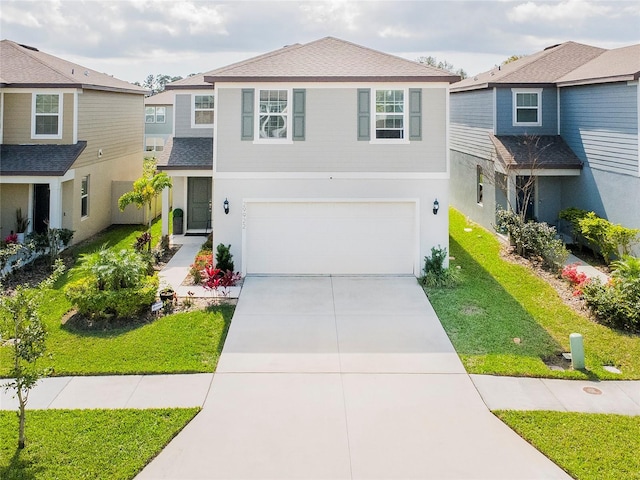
x: 587, y: 446
x: 498, y: 302
x: 87, y: 444
x: 178, y: 343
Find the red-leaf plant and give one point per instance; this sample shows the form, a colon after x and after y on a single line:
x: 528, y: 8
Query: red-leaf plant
x: 577, y: 279
x: 213, y: 279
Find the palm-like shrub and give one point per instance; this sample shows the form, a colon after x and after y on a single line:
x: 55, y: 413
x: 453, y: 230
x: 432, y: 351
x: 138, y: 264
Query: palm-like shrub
x: 114, y: 283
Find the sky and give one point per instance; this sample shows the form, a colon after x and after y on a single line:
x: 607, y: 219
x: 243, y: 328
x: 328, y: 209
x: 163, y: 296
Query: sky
x: 131, y: 39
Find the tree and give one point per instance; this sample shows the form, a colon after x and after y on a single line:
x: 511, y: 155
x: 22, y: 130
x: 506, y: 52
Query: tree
x: 443, y: 65
x: 512, y: 58
x: 21, y: 328
x: 145, y: 190
x: 157, y: 83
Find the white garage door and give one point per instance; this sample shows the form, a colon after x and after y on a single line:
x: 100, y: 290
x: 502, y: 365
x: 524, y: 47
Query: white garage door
x: 330, y: 237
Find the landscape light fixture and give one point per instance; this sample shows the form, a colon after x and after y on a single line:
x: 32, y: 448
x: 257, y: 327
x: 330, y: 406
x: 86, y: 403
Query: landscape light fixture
x: 226, y: 206
x: 436, y: 207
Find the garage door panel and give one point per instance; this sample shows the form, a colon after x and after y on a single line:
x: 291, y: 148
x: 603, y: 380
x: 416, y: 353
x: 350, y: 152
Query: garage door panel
x: 324, y: 238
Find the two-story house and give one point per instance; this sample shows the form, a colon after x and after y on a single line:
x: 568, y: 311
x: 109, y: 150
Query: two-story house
x: 71, y: 141
x: 563, y: 121
x: 330, y: 158
x: 187, y: 155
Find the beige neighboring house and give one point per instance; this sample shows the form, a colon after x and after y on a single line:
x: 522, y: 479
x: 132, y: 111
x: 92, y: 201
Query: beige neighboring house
x: 72, y: 143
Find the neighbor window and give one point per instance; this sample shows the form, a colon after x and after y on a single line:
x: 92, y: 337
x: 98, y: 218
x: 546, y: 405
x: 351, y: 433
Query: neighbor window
x: 389, y: 114
x: 84, y: 197
x: 480, y: 184
x: 154, y: 144
x: 527, y: 107
x: 47, y: 115
x: 273, y: 113
x: 202, y: 110
x: 155, y: 114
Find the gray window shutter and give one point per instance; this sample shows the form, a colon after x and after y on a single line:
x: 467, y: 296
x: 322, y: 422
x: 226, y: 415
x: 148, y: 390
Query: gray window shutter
x: 415, y: 114
x: 364, y: 114
x: 299, y: 106
x: 247, y: 114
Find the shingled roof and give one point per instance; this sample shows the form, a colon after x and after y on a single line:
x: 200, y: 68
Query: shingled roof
x: 166, y: 97
x: 541, y: 68
x: 328, y: 60
x: 27, y: 67
x: 45, y: 159
x: 535, y: 152
x: 187, y: 154
x: 617, y: 65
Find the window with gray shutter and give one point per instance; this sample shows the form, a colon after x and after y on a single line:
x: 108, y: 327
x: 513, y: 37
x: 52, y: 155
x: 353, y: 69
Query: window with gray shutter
x: 247, y: 114
x: 415, y: 114
x: 299, y: 106
x: 364, y: 114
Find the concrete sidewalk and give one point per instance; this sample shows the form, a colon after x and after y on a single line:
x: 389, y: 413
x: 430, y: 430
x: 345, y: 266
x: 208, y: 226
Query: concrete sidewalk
x: 191, y: 390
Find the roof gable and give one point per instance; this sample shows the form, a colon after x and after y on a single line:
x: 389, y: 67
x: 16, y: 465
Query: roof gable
x: 329, y: 60
x: 27, y: 67
x: 619, y: 64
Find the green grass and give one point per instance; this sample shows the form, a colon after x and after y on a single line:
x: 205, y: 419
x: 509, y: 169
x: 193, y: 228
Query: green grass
x: 587, y: 446
x: 498, y: 301
x: 86, y: 444
x: 178, y: 343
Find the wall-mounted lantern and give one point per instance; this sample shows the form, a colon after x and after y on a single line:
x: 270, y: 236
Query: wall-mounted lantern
x: 226, y: 206
x: 436, y: 207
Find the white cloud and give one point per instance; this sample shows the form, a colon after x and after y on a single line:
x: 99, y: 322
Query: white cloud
x: 200, y: 17
x: 395, y: 32
x: 332, y: 13
x: 569, y: 10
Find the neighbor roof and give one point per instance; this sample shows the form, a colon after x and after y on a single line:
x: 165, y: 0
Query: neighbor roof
x: 194, y: 82
x: 540, y: 68
x: 535, y: 152
x: 162, y: 98
x: 27, y: 67
x: 187, y: 154
x: 619, y: 64
x: 44, y: 159
x: 328, y: 60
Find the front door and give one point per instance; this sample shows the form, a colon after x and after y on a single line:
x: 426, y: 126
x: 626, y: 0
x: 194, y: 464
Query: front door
x: 40, y: 207
x: 199, y: 203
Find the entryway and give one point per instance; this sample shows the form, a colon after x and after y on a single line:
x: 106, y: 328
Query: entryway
x: 199, y: 204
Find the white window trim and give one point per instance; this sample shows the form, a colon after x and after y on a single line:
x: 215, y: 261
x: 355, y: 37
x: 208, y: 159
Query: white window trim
x: 58, y: 136
x: 405, y: 118
x: 479, y: 185
x: 193, y: 109
x: 85, y: 195
x: 155, y: 117
x: 256, y: 118
x: 514, y: 94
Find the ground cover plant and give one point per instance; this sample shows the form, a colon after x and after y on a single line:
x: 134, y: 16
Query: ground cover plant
x: 87, y: 444
x: 587, y: 446
x: 176, y: 343
x: 503, y: 319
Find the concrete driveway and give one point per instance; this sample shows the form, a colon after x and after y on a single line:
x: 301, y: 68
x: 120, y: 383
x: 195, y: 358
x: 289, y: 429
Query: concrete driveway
x: 340, y: 378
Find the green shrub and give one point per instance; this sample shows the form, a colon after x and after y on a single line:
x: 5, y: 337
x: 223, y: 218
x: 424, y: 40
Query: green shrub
x: 122, y: 303
x: 114, y: 270
x: 607, y: 238
x: 573, y: 216
x: 208, y: 244
x: 616, y: 304
x: 435, y: 273
x: 204, y: 258
x: 224, y: 259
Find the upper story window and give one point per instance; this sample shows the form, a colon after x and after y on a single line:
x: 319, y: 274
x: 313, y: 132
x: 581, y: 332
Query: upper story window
x: 389, y: 114
x: 84, y: 197
x: 202, y: 111
x: 527, y: 107
x: 47, y: 115
x: 155, y: 114
x: 273, y: 113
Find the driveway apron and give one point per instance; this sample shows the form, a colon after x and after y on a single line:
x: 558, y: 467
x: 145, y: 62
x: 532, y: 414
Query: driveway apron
x: 343, y: 378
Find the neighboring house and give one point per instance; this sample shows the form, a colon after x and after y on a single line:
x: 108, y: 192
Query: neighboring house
x: 330, y: 158
x: 567, y: 118
x: 187, y: 156
x: 158, y: 122
x: 71, y: 142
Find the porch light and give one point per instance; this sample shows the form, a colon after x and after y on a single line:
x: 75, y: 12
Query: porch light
x: 226, y: 206
x: 436, y: 207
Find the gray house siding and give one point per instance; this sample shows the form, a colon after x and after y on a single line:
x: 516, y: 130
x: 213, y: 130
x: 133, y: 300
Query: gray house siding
x: 331, y: 138
x: 161, y: 129
x: 471, y: 117
x: 600, y: 124
x: 184, y: 104
x: 504, y: 114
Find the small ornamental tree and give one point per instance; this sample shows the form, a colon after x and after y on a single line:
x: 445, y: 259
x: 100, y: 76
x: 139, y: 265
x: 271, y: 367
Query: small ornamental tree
x: 22, y: 330
x: 145, y: 190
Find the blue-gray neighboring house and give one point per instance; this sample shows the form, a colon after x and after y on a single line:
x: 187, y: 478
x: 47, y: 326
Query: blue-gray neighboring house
x: 565, y: 119
x: 158, y: 121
